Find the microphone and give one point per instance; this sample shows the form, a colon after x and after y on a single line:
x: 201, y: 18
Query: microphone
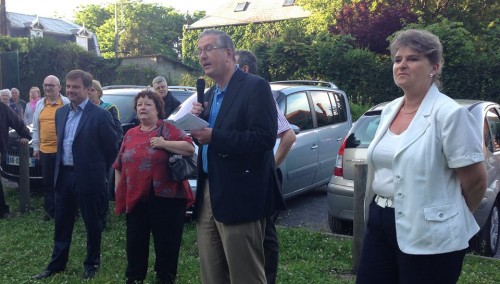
x: 200, y: 89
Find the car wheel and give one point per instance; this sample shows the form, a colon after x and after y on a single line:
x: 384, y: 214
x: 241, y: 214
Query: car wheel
x: 487, y: 240
x: 338, y: 226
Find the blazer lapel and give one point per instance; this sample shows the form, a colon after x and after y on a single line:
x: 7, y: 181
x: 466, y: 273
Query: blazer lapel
x: 232, y: 90
x: 421, y: 120
x: 85, y: 115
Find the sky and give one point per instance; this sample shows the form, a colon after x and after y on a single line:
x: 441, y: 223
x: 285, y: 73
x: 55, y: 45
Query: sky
x: 65, y: 8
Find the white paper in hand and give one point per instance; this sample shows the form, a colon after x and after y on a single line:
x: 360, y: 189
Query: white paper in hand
x: 189, y: 121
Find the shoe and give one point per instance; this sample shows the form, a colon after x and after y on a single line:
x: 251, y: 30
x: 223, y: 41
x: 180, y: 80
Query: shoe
x: 89, y: 273
x: 44, y: 274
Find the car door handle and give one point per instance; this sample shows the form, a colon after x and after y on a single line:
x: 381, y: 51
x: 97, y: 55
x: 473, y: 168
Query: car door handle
x: 339, y: 139
x: 314, y: 147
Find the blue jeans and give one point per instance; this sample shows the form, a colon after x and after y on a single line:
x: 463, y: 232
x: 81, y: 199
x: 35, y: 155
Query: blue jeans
x: 383, y: 262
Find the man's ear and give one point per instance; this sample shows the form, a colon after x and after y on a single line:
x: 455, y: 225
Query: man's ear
x: 245, y: 68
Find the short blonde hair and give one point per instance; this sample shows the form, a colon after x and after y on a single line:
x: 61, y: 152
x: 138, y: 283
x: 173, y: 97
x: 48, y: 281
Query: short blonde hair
x: 97, y: 85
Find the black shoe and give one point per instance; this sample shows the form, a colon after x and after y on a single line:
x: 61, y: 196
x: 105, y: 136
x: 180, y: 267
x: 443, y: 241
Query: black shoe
x: 44, y: 274
x: 89, y: 273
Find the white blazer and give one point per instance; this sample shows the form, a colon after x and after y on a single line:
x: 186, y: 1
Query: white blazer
x: 430, y: 211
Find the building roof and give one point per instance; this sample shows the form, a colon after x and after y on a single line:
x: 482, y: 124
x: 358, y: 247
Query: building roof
x: 50, y: 25
x: 241, y: 12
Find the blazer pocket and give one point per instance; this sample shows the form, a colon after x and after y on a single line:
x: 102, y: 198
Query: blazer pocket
x: 440, y: 213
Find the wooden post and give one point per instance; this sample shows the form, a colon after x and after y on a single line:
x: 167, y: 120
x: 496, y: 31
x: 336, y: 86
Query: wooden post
x: 358, y: 229
x: 24, y: 182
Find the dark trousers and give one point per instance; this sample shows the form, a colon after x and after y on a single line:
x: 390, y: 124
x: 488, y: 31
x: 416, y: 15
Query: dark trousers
x: 164, y: 218
x: 271, y: 246
x: 383, y: 262
x: 48, y: 164
x: 68, y: 201
x: 4, y: 208
x: 271, y: 251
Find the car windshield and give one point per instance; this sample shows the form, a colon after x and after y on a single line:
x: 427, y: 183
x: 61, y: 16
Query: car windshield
x: 124, y: 103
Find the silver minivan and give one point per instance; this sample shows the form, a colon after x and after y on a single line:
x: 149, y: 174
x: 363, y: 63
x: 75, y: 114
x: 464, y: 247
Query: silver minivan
x: 353, y: 151
x: 320, y: 115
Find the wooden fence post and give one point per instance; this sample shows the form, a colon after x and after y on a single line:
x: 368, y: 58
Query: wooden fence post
x: 24, y: 182
x: 358, y: 229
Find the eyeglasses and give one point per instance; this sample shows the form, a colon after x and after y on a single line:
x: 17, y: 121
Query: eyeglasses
x: 209, y: 48
x: 49, y: 85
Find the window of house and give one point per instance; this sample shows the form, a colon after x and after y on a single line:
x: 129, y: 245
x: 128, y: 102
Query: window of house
x: 242, y: 6
x: 288, y: 2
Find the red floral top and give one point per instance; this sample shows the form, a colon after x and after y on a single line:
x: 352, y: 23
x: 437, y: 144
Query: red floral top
x: 141, y: 165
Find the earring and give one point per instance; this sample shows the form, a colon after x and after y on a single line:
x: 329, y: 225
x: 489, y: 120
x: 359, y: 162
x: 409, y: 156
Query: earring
x: 431, y: 75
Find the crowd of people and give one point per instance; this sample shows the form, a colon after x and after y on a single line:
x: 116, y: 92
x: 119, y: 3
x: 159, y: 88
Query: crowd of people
x: 79, y: 136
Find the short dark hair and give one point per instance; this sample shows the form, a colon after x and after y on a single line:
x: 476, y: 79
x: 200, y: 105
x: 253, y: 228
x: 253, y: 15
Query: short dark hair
x: 157, y: 99
x: 246, y: 57
x: 77, y: 73
x: 423, y: 42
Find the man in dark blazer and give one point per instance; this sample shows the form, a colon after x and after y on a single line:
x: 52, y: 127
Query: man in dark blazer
x: 236, y: 178
x: 86, y: 148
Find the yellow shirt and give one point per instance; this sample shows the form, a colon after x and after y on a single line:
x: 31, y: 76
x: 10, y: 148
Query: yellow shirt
x: 47, y: 129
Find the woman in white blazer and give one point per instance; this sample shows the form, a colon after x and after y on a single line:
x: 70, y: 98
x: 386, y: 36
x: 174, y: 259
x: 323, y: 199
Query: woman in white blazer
x: 425, y: 175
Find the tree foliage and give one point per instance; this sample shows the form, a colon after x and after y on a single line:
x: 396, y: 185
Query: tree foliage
x: 136, y: 28
x: 371, y: 22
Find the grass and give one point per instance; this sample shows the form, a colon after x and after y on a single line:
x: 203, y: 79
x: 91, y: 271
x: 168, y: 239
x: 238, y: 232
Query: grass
x: 306, y: 256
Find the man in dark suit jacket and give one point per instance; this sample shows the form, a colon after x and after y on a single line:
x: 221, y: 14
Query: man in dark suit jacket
x: 86, y: 148
x: 236, y: 178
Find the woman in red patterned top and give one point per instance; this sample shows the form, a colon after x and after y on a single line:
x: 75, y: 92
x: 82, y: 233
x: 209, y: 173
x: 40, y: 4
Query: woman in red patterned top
x: 152, y: 201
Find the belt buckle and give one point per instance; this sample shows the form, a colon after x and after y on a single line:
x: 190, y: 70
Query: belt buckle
x: 383, y: 201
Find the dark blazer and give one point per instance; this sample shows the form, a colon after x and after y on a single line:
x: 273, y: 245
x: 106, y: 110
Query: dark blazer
x: 8, y: 118
x: 241, y: 164
x: 94, y: 147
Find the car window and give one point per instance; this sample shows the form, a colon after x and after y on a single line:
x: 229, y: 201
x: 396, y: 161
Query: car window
x: 297, y: 111
x: 363, y: 132
x: 339, y: 107
x: 124, y: 103
x: 323, y: 108
x: 494, y: 126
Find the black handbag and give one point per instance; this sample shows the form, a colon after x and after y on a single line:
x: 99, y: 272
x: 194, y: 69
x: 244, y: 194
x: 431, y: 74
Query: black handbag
x: 181, y: 167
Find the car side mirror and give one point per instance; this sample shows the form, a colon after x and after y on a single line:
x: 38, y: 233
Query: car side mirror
x: 295, y: 128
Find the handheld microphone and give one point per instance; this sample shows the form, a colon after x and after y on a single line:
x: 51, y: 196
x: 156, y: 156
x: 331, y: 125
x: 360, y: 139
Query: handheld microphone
x: 200, y: 89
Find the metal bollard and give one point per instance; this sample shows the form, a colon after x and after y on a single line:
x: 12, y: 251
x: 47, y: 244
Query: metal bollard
x: 24, y: 182
x: 358, y: 229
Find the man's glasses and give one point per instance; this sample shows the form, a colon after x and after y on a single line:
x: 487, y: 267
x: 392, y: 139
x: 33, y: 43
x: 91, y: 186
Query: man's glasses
x: 49, y: 85
x: 209, y: 48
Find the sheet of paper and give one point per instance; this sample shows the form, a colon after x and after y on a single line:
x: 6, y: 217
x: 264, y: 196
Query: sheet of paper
x: 189, y: 121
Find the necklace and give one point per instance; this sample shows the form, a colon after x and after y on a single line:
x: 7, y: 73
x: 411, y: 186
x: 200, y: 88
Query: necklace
x: 408, y: 112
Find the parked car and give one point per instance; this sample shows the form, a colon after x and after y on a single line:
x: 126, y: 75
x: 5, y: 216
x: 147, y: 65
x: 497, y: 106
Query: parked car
x: 120, y: 95
x: 353, y: 151
x: 320, y: 116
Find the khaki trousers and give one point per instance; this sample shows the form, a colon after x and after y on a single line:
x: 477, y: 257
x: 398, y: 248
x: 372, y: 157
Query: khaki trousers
x: 229, y: 253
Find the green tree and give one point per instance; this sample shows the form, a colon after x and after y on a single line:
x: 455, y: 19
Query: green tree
x: 141, y: 29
